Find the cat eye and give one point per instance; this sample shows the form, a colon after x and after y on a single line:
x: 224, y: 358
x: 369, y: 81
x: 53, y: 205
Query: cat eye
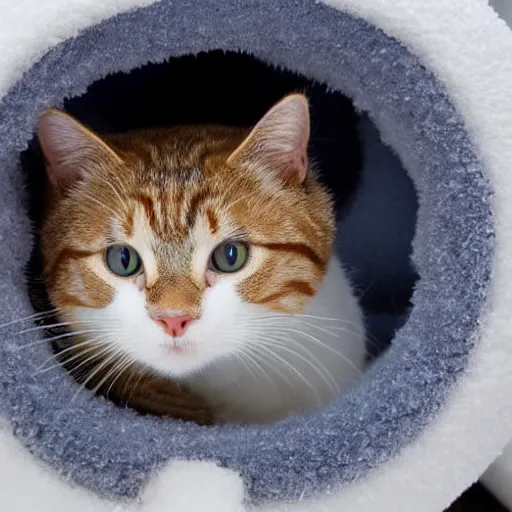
x: 123, y: 260
x: 229, y: 257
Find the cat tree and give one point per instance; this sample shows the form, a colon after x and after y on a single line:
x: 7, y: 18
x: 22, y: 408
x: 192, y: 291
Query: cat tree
x: 434, y: 411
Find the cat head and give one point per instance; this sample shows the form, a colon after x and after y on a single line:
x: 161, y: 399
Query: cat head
x: 170, y: 247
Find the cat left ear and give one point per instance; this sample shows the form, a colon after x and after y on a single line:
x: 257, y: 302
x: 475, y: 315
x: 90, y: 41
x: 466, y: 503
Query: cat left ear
x: 278, y: 143
x: 71, y: 150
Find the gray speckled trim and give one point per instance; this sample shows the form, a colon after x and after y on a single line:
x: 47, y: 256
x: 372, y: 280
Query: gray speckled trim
x: 113, y: 451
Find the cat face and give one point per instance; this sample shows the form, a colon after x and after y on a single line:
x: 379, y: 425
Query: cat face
x: 171, y: 247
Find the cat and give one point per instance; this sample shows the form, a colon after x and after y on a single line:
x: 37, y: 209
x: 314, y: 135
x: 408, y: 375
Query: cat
x: 203, y: 254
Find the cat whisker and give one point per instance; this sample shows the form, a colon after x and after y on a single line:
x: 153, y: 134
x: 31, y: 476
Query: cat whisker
x: 83, y: 353
x: 232, y: 185
x: 61, y: 324
x: 100, y: 344
x: 121, y: 200
x: 243, y: 198
x: 134, y: 370
x: 239, y: 355
x: 369, y: 338
x: 301, y: 315
x: 135, y: 387
x: 325, y: 375
x: 246, y: 353
x: 331, y: 330
x: 324, y: 345
x: 264, y: 357
x: 129, y: 364
x: 279, y: 341
x: 72, y: 348
x: 59, y: 337
x: 117, y: 366
x: 34, y: 317
x: 271, y: 200
x: 291, y: 367
x: 121, y: 183
x: 281, y: 325
x: 116, y: 215
x: 115, y: 353
x: 263, y: 209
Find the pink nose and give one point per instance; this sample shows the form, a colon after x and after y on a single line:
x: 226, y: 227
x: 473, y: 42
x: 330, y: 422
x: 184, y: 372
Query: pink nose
x: 175, y: 325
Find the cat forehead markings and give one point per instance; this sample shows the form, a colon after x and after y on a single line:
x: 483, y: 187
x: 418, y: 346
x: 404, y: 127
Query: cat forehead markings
x: 171, y: 214
x: 174, y: 194
x: 165, y: 249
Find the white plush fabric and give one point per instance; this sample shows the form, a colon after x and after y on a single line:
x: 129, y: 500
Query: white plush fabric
x: 465, y: 44
x: 26, y: 485
x: 503, y: 8
x: 29, y: 28
x: 473, y: 428
x: 498, y: 476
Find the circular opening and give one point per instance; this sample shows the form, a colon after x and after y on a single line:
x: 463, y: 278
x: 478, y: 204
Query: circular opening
x: 236, y: 89
x: 402, y: 392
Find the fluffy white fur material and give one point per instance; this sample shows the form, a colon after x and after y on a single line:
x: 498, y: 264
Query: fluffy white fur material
x: 30, y: 28
x: 467, y: 46
x: 182, y: 487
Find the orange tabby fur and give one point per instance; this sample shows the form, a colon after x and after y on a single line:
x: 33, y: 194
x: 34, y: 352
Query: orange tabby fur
x: 158, y: 186
x: 169, y: 188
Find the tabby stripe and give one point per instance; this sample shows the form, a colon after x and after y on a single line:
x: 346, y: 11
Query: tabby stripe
x: 301, y: 249
x: 212, y: 220
x: 68, y: 254
x: 128, y: 223
x: 149, y: 209
x: 289, y: 288
x: 165, y: 208
x: 178, y: 209
x: 197, y: 200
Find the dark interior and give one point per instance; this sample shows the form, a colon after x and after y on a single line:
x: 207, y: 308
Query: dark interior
x: 225, y: 88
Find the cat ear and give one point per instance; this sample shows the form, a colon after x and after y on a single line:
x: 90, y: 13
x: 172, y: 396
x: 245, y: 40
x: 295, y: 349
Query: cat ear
x: 70, y: 149
x: 279, y: 141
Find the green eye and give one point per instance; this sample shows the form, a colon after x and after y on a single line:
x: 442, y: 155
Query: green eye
x: 229, y: 257
x: 123, y: 260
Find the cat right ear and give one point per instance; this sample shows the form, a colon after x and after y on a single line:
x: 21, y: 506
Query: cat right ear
x: 70, y: 149
x: 278, y: 144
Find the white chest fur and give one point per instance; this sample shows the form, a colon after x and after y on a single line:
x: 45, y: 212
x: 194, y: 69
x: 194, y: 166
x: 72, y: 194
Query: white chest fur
x: 303, y: 364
